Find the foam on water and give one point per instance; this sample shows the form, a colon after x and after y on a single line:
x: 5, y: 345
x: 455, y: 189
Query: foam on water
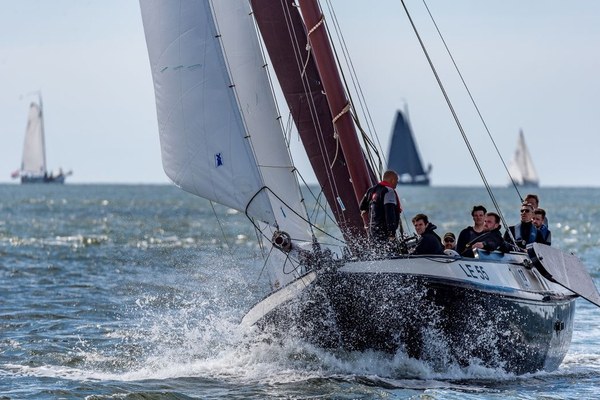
x: 129, y: 290
x: 182, y: 333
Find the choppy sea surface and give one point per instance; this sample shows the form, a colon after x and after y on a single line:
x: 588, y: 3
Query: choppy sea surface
x: 136, y: 292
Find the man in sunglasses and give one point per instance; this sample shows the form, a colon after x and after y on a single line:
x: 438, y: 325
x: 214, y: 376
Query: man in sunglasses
x: 524, y: 232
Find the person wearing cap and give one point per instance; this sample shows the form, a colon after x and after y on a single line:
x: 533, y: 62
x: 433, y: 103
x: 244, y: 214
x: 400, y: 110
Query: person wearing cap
x: 449, y: 241
x: 524, y: 232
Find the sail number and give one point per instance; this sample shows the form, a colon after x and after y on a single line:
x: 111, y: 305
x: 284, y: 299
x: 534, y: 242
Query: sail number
x: 474, y: 271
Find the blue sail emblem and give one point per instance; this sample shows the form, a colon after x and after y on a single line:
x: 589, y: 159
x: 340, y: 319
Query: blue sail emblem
x: 218, y: 160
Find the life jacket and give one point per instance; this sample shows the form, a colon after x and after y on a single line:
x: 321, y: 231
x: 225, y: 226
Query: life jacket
x: 532, y: 234
x: 544, y: 232
x: 376, y: 200
x: 388, y: 185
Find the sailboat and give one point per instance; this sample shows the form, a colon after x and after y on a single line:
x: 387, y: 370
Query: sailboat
x: 221, y: 139
x: 521, y: 168
x: 33, y: 164
x: 403, y: 155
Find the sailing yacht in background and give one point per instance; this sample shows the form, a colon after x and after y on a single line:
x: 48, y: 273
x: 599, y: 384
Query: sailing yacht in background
x: 404, y: 157
x: 33, y: 164
x: 521, y: 167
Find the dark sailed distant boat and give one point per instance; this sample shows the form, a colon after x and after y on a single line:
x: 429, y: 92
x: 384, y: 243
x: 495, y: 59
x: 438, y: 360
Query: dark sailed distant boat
x: 33, y: 164
x: 404, y: 157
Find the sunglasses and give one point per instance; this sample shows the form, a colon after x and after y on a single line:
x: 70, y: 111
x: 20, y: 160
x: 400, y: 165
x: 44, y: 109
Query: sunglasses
x: 448, y: 240
x: 525, y: 211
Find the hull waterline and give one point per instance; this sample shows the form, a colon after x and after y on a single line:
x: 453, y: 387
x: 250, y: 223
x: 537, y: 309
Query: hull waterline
x: 43, y: 179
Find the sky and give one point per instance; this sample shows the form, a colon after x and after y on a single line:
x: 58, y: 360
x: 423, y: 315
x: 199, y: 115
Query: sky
x: 530, y: 65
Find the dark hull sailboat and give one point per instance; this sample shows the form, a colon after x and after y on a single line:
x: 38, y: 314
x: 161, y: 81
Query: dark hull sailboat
x: 510, y: 311
x: 494, y: 311
x: 403, y: 156
x: 44, y: 179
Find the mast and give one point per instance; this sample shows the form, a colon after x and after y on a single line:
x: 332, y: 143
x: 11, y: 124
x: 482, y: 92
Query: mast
x: 43, y: 132
x: 336, y: 97
x: 285, y: 39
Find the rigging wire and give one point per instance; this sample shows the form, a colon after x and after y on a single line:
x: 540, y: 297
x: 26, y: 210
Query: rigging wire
x: 229, y: 246
x: 473, y: 101
x: 455, y: 116
x: 311, y: 225
x: 367, y: 138
x: 301, y: 64
x: 287, y: 129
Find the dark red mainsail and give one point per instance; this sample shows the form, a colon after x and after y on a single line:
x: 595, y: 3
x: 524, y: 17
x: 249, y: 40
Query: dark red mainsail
x: 336, y: 96
x: 284, y: 35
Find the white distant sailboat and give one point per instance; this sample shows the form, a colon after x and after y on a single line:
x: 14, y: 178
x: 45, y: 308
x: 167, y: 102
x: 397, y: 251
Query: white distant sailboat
x: 521, y: 167
x: 33, y: 164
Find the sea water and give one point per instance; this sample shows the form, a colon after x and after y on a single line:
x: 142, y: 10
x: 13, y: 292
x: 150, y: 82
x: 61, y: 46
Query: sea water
x: 137, y: 291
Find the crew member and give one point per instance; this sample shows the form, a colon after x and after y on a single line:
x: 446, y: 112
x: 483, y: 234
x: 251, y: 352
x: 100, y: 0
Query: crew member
x: 380, y: 209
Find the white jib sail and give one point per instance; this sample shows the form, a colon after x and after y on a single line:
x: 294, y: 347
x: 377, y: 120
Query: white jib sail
x: 216, y: 69
x: 255, y: 97
x: 204, y: 145
x: 34, y: 154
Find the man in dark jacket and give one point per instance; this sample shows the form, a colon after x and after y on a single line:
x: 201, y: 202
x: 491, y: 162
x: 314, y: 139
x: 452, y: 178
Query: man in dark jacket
x: 524, y: 232
x: 543, y: 235
x: 380, y: 209
x: 491, y: 239
x: 466, y: 236
x: 429, y: 241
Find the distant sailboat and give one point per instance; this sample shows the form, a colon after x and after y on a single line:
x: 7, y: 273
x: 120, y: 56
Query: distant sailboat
x: 404, y: 157
x: 521, y: 167
x: 33, y: 164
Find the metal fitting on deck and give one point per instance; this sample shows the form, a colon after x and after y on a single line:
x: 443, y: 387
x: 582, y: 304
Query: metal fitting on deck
x: 282, y: 241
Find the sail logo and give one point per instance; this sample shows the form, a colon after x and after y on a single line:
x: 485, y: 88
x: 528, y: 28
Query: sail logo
x: 218, y: 160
